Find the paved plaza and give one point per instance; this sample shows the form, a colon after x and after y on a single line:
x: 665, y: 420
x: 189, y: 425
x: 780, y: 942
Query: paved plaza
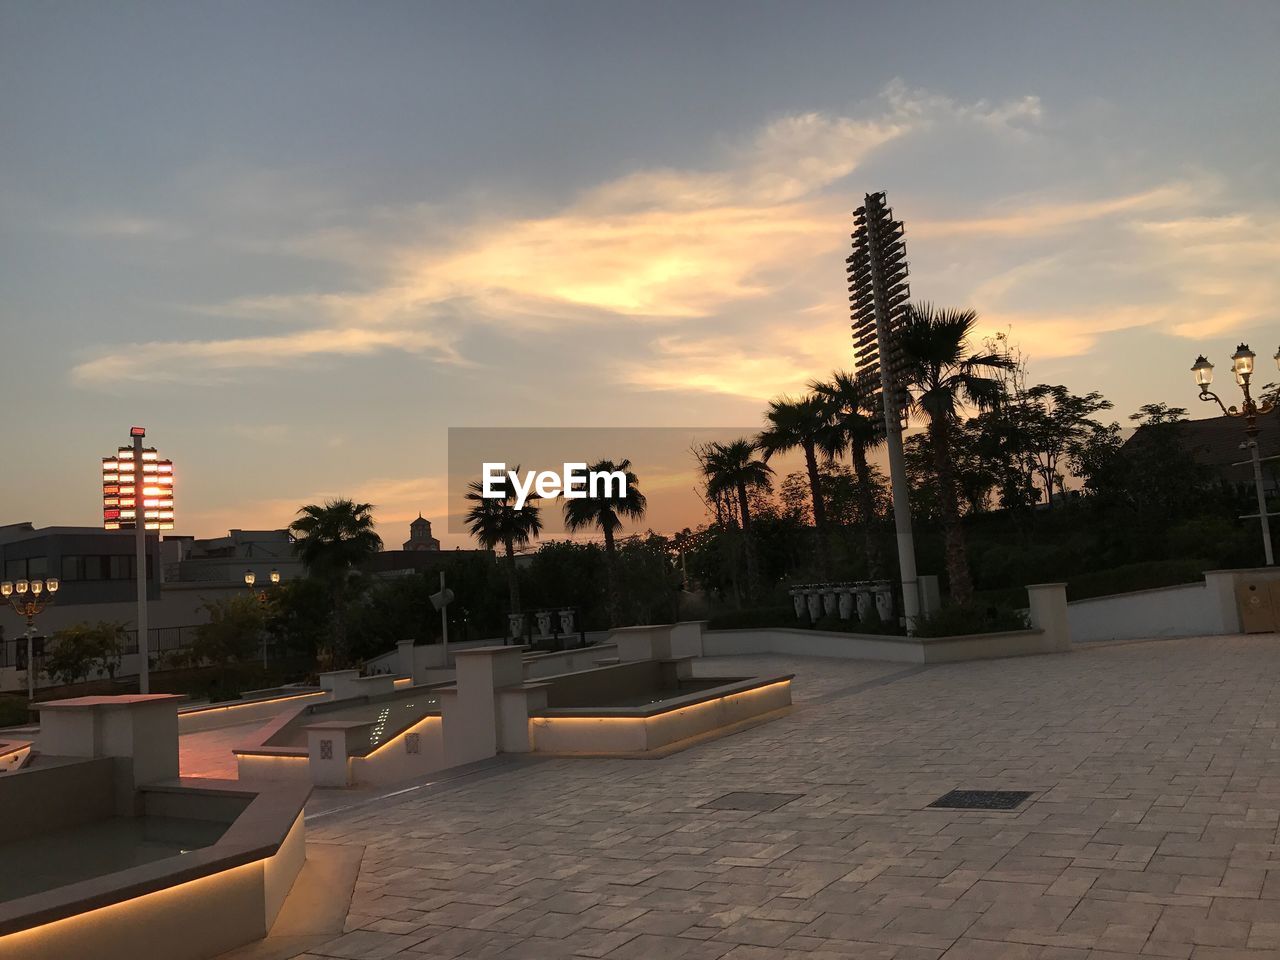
x: 1151, y: 832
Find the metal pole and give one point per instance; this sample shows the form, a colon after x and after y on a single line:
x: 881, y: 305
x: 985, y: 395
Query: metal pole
x: 444, y: 622
x: 1262, y: 497
x: 893, y: 437
x: 140, y: 539
x: 31, y: 661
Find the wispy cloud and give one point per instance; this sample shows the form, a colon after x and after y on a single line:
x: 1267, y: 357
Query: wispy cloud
x: 657, y: 245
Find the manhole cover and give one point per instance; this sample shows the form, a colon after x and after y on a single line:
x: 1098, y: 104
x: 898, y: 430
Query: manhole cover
x: 759, y: 802
x: 981, y: 799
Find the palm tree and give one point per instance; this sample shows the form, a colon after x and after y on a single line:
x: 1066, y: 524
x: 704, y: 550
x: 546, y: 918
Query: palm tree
x: 942, y: 376
x: 855, y: 424
x: 607, y: 513
x: 731, y: 469
x: 495, y: 520
x: 800, y: 424
x: 332, y: 539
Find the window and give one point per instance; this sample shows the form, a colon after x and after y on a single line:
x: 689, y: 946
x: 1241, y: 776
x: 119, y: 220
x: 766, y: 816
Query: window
x: 15, y: 569
x: 37, y: 568
x: 118, y: 566
x: 72, y: 568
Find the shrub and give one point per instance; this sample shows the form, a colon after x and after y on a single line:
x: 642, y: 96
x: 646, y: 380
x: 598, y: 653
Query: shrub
x: 962, y: 621
x: 1136, y: 576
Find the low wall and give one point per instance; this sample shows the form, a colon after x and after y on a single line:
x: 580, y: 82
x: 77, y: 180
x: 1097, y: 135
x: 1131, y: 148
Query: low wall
x: 1208, y: 608
x: 195, y: 917
x: 416, y: 752
x: 1183, y: 611
x: 538, y: 665
x: 638, y: 730
x: 216, y: 716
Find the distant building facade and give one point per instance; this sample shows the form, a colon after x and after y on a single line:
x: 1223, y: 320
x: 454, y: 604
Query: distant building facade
x: 420, y: 537
x: 420, y: 552
x: 1215, y: 443
x: 225, y: 559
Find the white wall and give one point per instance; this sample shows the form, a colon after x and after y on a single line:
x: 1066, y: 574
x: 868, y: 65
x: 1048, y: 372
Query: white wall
x: 1184, y: 611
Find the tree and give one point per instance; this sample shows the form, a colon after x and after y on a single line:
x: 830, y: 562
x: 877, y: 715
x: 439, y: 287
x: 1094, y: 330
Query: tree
x: 942, y: 376
x: 732, y: 469
x: 1162, y: 477
x: 495, y: 521
x: 800, y: 425
x: 855, y: 424
x: 233, y: 633
x: 334, y: 539
x: 1096, y: 458
x: 79, y: 651
x: 606, y: 511
x: 1056, y: 422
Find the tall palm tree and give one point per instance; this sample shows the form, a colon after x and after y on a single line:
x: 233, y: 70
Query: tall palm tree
x: 731, y: 469
x: 333, y: 539
x: 855, y: 424
x: 800, y: 424
x: 607, y: 513
x: 495, y: 521
x: 942, y: 376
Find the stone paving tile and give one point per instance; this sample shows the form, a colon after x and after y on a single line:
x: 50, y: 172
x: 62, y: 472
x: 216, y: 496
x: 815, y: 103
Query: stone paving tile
x: 1153, y: 829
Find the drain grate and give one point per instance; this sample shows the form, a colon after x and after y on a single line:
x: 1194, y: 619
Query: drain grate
x: 982, y: 799
x: 746, y: 800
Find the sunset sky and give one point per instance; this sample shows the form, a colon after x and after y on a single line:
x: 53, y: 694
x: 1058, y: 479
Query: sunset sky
x: 298, y: 241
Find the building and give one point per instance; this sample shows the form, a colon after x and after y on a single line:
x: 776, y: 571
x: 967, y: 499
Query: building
x: 95, y: 568
x: 1215, y: 443
x: 420, y: 552
x: 225, y: 559
x: 420, y: 537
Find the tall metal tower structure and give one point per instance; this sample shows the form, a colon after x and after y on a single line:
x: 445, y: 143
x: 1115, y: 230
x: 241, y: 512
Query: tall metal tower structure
x: 878, y: 294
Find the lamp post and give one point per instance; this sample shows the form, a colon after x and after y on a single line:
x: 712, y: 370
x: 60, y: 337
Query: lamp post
x: 1242, y: 367
x: 250, y: 578
x: 29, y: 598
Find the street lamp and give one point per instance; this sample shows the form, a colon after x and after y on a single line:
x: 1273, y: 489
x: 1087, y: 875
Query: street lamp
x: 250, y: 578
x: 29, y: 598
x: 1242, y: 366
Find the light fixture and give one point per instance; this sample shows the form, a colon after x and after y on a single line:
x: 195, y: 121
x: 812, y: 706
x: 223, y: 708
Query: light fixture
x: 1242, y: 366
x: 249, y: 578
x: 275, y: 575
x: 1203, y: 371
x: 1242, y: 362
x: 32, y: 596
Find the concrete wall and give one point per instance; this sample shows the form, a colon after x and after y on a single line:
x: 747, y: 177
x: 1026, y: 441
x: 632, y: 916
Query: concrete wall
x: 1185, y: 611
x: 538, y: 665
x: 58, y: 794
x: 216, y: 716
x: 1201, y: 609
x: 587, y: 735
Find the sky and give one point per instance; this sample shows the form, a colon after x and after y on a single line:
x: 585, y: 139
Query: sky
x: 299, y: 241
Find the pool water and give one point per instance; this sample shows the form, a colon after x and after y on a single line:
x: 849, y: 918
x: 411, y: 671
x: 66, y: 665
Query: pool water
x: 643, y: 698
x: 39, y: 863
